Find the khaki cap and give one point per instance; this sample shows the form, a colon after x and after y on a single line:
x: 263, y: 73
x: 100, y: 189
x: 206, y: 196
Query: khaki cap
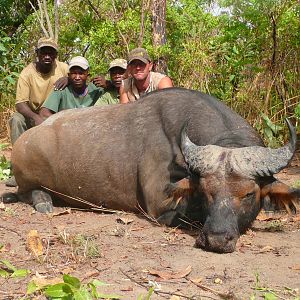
x: 139, y: 54
x: 47, y: 42
x: 119, y: 62
x: 79, y: 61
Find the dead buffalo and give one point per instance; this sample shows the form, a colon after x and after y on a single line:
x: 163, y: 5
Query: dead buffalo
x: 175, y: 154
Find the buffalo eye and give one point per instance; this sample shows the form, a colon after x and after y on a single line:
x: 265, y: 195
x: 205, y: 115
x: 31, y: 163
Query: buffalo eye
x: 249, y: 194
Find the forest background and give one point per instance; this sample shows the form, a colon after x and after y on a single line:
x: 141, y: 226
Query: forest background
x: 245, y: 53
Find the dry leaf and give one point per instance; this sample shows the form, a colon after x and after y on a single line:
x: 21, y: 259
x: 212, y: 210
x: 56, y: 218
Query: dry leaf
x: 2, y: 206
x: 295, y: 267
x: 197, y: 280
x: 43, y: 281
x: 171, y: 275
x: 124, y: 220
x: 175, y: 298
x: 262, y: 216
x: 296, y: 218
x: 266, y: 249
x: 65, y: 212
x: 34, y: 243
x: 68, y: 270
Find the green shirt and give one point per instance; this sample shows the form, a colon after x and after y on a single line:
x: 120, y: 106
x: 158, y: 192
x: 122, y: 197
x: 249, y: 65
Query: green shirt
x: 66, y: 99
x: 109, y: 97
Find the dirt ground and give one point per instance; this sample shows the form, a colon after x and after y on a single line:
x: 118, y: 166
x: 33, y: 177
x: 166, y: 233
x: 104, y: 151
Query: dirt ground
x: 131, y: 254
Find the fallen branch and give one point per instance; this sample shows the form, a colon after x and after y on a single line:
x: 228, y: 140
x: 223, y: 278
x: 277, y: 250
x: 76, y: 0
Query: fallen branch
x: 12, y: 230
x: 80, y: 200
x: 225, y: 296
x: 161, y: 292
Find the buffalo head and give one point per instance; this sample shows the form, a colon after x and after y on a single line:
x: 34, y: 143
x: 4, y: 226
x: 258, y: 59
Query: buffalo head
x: 232, y: 183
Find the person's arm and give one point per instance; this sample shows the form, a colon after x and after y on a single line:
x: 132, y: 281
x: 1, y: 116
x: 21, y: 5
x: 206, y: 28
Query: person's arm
x: 45, y: 113
x: 51, y: 104
x: 165, y: 82
x: 24, y: 109
x: 123, y: 95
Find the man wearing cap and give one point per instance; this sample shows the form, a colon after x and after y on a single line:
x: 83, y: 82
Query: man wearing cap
x: 34, y: 85
x: 141, y: 79
x: 77, y: 94
x: 117, y: 69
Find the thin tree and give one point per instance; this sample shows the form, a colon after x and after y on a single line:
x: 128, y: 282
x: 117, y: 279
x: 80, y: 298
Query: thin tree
x: 44, y: 20
x: 159, y: 32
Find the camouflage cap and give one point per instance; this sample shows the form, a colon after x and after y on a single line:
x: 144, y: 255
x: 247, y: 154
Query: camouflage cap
x: 139, y: 54
x: 119, y: 62
x: 47, y: 42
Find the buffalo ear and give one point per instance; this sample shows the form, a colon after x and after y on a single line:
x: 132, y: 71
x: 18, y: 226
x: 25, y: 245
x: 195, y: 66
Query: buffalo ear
x: 280, y: 195
x: 178, y: 191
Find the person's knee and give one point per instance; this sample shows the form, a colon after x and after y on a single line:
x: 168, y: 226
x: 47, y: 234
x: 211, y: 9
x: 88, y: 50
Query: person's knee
x: 16, y: 119
x: 17, y: 125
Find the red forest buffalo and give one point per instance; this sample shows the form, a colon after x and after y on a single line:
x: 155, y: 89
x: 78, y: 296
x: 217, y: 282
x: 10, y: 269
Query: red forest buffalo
x: 176, y: 154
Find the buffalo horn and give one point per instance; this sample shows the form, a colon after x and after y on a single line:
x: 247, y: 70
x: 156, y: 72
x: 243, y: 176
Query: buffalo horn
x: 251, y: 161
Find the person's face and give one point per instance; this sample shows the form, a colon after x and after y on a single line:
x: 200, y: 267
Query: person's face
x: 139, y: 70
x: 78, y: 77
x: 116, y: 75
x: 46, y: 55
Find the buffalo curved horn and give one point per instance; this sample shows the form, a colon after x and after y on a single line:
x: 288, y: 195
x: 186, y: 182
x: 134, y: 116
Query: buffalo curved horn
x: 262, y: 161
x: 199, y: 158
x: 250, y: 161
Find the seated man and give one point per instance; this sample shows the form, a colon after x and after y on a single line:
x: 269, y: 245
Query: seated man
x: 35, y: 83
x: 141, y: 79
x: 117, y: 69
x: 77, y: 94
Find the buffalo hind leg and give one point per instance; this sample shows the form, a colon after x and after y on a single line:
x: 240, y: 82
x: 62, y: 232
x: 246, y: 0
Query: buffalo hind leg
x: 42, y: 201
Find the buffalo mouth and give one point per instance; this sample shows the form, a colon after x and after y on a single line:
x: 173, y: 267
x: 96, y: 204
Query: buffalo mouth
x: 217, y: 242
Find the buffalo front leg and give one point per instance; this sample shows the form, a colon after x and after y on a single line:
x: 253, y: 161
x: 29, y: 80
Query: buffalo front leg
x: 42, y: 201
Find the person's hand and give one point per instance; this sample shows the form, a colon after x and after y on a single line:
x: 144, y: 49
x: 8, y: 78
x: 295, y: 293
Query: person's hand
x: 100, y: 81
x: 37, y: 120
x: 61, y: 83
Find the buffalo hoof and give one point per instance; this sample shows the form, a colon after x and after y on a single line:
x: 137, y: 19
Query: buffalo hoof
x: 42, y: 202
x: 9, y: 198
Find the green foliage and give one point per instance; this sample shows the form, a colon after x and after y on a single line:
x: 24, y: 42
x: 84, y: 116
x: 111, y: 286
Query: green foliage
x: 297, y: 111
x: 271, y: 132
x: 296, y: 184
x: 9, y: 66
x: 86, y: 246
x: 5, y: 168
x: 71, y: 288
x: 269, y: 293
x: 274, y: 226
x: 148, y: 296
x: 8, y: 270
x: 232, y: 54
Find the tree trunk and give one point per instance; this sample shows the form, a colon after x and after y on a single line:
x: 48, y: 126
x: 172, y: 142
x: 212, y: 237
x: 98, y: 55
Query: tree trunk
x: 159, y: 32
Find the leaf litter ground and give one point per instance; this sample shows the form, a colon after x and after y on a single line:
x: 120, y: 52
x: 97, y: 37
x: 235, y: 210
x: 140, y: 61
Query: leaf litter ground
x: 130, y: 254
